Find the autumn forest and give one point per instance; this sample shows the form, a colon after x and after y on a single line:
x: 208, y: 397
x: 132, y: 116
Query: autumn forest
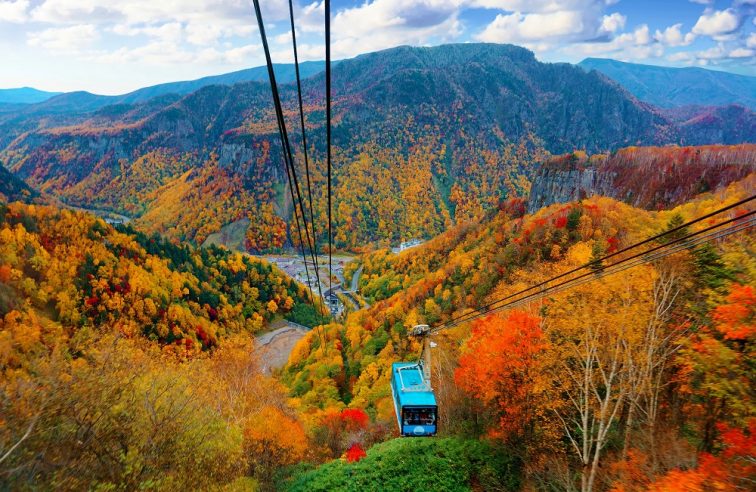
x: 138, y: 288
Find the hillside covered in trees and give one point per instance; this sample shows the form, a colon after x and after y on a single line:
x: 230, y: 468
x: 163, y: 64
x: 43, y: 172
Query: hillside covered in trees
x: 127, y: 361
x: 424, y: 138
x: 14, y: 189
x: 639, y: 380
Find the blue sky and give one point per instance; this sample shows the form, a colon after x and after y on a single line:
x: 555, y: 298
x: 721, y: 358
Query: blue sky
x: 112, y: 47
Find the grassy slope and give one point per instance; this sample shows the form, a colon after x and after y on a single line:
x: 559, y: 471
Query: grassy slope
x: 416, y: 464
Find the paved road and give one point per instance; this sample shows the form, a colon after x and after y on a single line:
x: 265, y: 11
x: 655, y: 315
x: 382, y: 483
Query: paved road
x: 351, y: 293
x: 356, y: 279
x: 355, y: 286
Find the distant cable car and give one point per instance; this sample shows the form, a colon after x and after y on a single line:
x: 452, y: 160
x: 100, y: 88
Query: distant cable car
x: 414, y: 400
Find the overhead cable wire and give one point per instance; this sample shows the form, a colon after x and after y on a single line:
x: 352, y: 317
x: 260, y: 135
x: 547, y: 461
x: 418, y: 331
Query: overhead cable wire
x: 286, y: 149
x: 328, y: 130
x: 489, y: 308
x: 492, y: 306
x: 610, y: 271
x: 615, y: 268
x: 600, y: 261
x: 314, y: 244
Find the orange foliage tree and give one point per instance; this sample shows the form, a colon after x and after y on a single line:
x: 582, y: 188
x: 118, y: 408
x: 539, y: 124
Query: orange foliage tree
x: 500, y: 366
x: 273, y: 439
x: 716, y: 365
x: 734, y: 469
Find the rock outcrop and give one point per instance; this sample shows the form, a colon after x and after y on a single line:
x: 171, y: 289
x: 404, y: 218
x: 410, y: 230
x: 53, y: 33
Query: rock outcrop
x: 647, y: 177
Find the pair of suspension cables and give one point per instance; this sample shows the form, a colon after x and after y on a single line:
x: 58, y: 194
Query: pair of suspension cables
x: 307, y: 241
x: 649, y: 250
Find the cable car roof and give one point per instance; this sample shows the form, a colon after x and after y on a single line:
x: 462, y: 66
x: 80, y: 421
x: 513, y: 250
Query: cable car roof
x: 412, y: 390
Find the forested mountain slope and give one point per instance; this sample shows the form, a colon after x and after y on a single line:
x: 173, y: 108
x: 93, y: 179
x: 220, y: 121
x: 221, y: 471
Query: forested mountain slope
x: 424, y: 138
x: 128, y: 362
x: 69, y: 270
x: 510, y: 376
x: 13, y: 188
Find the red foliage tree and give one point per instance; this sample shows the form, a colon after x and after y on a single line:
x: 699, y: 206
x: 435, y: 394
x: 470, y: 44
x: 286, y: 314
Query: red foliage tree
x: 499, y: 366
x: 354, y: 419
x: 355, y: 453
x: 731, y: 470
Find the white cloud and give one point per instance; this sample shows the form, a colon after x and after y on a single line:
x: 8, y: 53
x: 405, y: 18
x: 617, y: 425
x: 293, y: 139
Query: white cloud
x: 547, y: 26
x: 171, y: 32
x: 682, y: 56
x: 636, y: 45
x: 283, y: 38
x: 673, y: 36
x: 241, y: 54
x: 538, y: 6
x: 386, y: 23
x: 72, y: 11
x: 527, y: 28
x: 741, y: 53
x: 714, y: 53
x: 613, y: 23
x: 205, y: 22
x: 154, y: 53
x: 751, y: 41
x: 151, y: 11
x: 161, y: 52
x: 717, y: 23
x: 203, y: 34
x: 14, y: 11
x: 65, y: 39
x: 718, y: 54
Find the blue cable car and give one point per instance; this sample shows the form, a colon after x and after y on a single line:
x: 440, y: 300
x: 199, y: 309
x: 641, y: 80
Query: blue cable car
x: 414, y: 401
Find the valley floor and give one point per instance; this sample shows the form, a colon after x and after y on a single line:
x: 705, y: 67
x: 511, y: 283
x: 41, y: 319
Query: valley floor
x: 276, y: 345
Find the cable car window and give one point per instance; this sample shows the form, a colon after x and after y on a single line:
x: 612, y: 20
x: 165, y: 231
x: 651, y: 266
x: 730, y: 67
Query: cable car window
x: 419, y: 416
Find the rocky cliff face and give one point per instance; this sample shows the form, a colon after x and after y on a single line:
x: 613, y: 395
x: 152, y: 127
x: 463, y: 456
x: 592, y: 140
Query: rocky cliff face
x: 565, y: 184
x: 649, y: 177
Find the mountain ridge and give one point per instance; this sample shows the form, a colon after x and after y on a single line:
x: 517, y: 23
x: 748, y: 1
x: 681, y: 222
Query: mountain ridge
x: 89, y: 101
x: 25, y: 95
x: 462, y: 125
x: 670, y: 87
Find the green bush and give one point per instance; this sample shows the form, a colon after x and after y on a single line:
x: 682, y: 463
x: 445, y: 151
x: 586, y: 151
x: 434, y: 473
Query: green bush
x: 306, y: 315
x: 414, y: 464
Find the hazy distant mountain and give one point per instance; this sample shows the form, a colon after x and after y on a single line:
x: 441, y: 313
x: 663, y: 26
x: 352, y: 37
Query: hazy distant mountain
x: 25, y: 95
x: 670, y: 87
x: 285, y: 73
x: 82, y: 101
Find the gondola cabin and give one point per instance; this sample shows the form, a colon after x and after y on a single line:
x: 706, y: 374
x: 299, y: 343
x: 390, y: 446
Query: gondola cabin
x: 414, y: 401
